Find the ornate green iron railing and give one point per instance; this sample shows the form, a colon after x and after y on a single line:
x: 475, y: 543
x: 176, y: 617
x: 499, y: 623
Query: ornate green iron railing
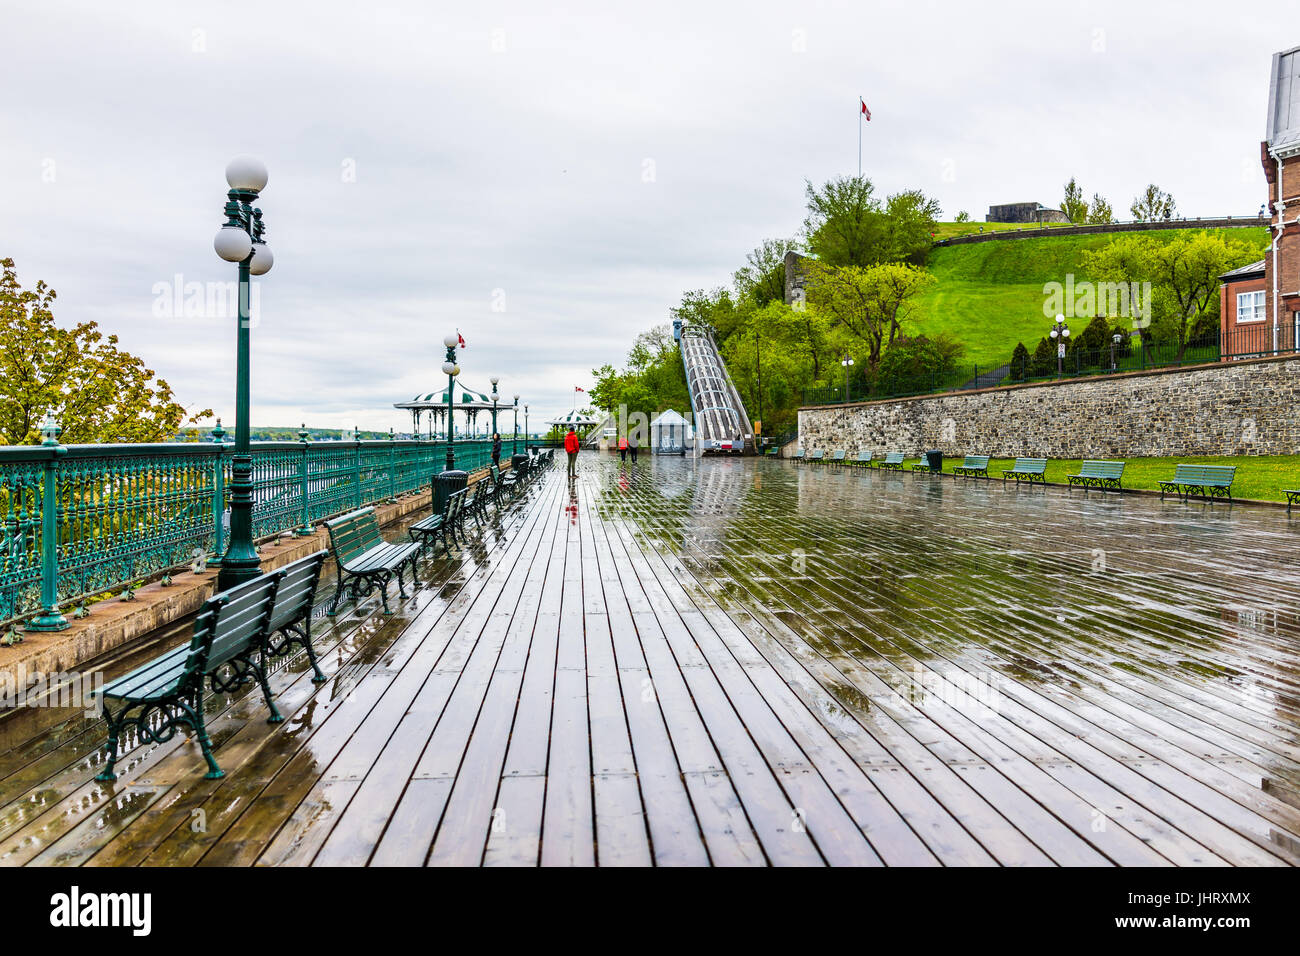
x: 121, y: 513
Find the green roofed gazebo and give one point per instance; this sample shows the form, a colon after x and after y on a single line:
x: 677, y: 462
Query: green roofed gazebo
x: 580, y: 421
x: 464, y: 399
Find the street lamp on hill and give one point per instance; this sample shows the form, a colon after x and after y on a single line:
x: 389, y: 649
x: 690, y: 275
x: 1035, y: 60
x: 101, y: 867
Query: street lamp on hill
x: 848, y: 364
x: 1060, y: 332
x: 241, y: 239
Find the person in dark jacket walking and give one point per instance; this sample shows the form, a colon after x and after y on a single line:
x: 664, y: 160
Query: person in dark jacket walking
x: 632, y: 446
x: 496, y: 450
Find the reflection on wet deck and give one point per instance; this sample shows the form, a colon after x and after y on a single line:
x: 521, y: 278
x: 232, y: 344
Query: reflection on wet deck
x: 746, y: 662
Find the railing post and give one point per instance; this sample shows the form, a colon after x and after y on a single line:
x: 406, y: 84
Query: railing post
x: 50, y: 619
x: 305, y: 528
x: 392, y: 465
x: 356, y: 463
x: 218, y: 496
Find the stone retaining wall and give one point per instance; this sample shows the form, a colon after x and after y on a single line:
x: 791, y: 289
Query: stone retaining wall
x: 1226, y: 408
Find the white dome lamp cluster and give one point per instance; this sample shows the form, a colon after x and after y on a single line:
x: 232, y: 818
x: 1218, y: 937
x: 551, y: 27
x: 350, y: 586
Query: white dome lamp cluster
x: 241, y: 239
x: 1060, y: 332
x: 242, y: 234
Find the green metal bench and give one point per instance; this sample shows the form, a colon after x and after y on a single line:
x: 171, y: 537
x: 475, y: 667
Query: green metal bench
x: 1098, y: 474
x: 167, y: 693
x: 457, y: 501
x: 1291, y: 497
x: 480, y: 493
x: 817, y: 455
x: 837, y: 457
x: 1207, y: 481
x: 506, y: 480
x: 923, y: 467
x: 798, y: 455
x: 864, y: 458
x: 893, y: 461
x: 290, y: 622
x: 365, y: 560
x: 430, y: 528
x: 1027, y: 469
x: 972, y: 466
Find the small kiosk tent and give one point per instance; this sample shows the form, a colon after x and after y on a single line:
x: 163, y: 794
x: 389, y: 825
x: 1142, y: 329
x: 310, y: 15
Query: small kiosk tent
x: 671, y: 434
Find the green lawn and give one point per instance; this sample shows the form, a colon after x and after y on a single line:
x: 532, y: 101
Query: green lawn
x: 989, y: 295
x: 1261, y: 477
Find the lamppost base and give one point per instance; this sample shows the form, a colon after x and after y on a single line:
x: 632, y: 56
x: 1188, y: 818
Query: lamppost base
x: 234, y: 574
x: 50, y: 620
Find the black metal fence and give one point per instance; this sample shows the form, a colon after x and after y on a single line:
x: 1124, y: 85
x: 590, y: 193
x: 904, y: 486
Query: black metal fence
x: 1129, y: 354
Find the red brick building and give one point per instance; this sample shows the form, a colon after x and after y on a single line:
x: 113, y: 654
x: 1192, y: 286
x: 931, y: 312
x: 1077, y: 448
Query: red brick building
x: 1280, y: 154
x: 1243, y: 317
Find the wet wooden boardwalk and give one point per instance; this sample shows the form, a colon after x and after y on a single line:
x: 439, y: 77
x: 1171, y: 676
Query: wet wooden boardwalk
x: 747, y: 662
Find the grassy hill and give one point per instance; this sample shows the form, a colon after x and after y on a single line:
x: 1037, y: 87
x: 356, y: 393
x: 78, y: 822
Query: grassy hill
x: 989, y: 295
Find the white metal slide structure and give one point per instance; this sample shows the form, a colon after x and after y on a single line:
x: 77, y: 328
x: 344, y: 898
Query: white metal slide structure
x: 721, y: 423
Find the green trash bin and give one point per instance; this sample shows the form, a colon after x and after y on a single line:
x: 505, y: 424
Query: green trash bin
x: 444, y: 483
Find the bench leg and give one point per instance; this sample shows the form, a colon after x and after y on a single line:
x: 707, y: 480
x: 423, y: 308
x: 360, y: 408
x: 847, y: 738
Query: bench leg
x: 333, y: 609
x: 201, y: 731
x: 383, y: 591
x: 303, y: 637
x: 114, y: 730
x: 259, y: 669
x: 400, y: 589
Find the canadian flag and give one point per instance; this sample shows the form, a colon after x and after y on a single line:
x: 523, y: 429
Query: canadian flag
x: 577, y: 389
x: 461, y: 337
x: 865, y: 112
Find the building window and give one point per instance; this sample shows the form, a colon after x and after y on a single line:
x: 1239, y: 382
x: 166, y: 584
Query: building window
x: 1250, y: 307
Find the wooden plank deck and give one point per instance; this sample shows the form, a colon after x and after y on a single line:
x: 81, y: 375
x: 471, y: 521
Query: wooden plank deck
x: 739, y: 662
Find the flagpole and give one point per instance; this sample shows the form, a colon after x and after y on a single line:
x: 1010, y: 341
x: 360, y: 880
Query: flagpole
x: 860, y: 102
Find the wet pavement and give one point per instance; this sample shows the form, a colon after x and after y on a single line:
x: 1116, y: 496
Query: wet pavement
x: 748, y: 662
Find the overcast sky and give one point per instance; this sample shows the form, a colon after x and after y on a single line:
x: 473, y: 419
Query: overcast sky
x: 549, y: 178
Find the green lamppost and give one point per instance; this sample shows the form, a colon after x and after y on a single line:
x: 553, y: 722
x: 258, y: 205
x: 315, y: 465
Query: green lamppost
x: 495, y: 395
x: 514, y: 435
x: 451, y: 370
x: 1060, y: 332
x: 241, y: 240
x: 525, y: 429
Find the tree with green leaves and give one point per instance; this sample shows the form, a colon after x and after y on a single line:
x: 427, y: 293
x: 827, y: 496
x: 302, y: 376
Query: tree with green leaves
x: 1019, y: 367
x: 1100, y: 211
x: 762, y: 278
x: 916, y: 364
x: 96, y: 391
x: 847, y: 225
x: 1153, y: 204
x: 1043, y: 361
x: 1074, y: 205
x: 869, y: 303
x: 1183, y: 272
x: 962, y: 216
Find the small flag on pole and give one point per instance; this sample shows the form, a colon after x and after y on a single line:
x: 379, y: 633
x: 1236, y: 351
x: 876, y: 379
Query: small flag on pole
x: 461, y: 337
x: 577, y: 389
x: 865, y: 112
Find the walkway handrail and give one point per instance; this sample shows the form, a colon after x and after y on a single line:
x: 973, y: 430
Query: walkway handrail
x: 123, y: 512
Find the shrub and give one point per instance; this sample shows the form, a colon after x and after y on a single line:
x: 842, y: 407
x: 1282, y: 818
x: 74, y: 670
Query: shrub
x: 917, y: 364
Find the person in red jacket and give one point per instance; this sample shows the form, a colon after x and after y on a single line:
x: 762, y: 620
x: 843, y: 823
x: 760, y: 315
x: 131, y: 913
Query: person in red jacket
x: 571, y: 447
